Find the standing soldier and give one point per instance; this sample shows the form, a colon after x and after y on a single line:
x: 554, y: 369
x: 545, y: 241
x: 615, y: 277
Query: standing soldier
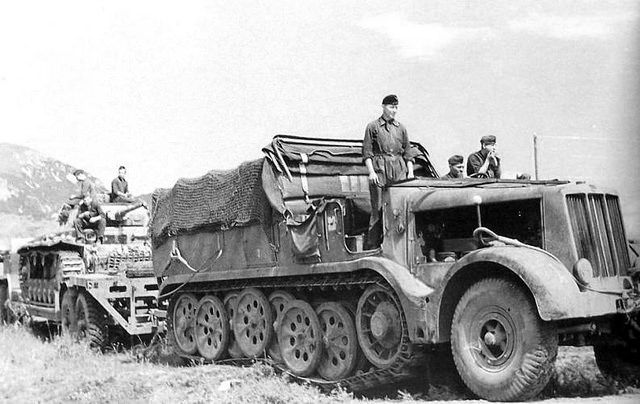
x: 485, y: 162
x: 388, y: 156
x: 456, y: 168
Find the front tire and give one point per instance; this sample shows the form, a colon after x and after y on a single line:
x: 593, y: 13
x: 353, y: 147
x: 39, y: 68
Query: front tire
x: 502, y: 349
x: 92, y: 322
x: 618, y: 362
x: 69, y: 317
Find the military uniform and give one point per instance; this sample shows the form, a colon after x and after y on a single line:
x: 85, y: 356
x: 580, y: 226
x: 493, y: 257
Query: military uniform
x: 387, y: 145
x: 476, y: 160
x: 86, y: 188
x: 120, y: 184
x: 449, y: 176
x: 85, y: 213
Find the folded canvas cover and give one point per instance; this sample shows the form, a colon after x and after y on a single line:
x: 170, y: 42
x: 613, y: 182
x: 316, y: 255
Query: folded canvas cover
x: 294, y: 172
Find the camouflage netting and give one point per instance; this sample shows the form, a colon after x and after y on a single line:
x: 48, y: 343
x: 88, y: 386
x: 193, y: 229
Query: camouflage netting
x: 217, y: 200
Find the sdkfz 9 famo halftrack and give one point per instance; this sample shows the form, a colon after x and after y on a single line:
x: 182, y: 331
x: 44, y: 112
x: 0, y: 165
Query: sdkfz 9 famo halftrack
x: 268, y: 259
x: 95, y: 291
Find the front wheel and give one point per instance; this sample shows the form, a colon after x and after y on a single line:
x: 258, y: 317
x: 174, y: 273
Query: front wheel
x: 502, y: 349
x: 92, y: 322
x: 619, y: 362
x: 69, y: 317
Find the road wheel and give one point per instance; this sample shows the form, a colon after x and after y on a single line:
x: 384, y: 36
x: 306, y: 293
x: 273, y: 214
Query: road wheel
x: 253, y: 322
x: 501, y: 347
x: 340, y: 342
x: 212, y: 328
x: 300, y: 338
x: 92, y: 322
x: 181, y: 324
x: 230, y: 301
x: 68, y: 314
x: 278, y: 301
x: 619, y: 362
x: 380, y: 326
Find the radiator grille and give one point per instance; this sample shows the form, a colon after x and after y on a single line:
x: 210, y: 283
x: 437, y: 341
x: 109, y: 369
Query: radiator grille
x: 598, y: 233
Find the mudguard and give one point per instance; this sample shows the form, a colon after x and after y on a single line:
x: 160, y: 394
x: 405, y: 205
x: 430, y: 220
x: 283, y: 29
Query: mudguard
x: 556, y: 293
x: 411, y: 291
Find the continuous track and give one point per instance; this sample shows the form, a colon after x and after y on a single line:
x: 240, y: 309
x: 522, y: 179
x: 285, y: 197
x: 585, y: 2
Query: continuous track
x: 403, y: 367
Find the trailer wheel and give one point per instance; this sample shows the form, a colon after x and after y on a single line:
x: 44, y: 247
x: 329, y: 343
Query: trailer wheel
x: 69, y: 316
x: 92, y: 322
x: 620, y: 363
x: 501, y: 347
x: 181, y: 323
x: 212, y: 328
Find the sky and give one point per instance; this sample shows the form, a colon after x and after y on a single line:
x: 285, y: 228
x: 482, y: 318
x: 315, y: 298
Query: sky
x: 174, y: 89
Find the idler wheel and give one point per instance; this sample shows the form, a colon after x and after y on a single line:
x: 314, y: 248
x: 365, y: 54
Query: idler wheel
x: 183, y: 323
x: 230, y: 300
x: 278, y: 301
x: 340, y: 343
x: 300, y: 338
x: 212, y: 328
x: 379, y: 326
x: 253, y: 322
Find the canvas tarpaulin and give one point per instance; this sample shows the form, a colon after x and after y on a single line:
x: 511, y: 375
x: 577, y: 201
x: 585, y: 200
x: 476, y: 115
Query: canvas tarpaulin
x: 215, y: 201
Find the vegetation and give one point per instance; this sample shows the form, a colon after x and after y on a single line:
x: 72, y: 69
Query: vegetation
x: 56, y: 369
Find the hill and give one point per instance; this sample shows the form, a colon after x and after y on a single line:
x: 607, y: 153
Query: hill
x: 32, y: 189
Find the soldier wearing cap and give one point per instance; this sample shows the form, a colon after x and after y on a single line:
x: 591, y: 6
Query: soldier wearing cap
x: 484, y: 162
x: 387, y: 153
x: 456, y: 168
x: 85, y: 187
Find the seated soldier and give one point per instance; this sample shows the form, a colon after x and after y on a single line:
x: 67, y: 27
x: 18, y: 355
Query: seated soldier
x: 90, y: 216
x: 120, y: 190
x: 485, y: 162
x: 456, y: 168
x: 85, y: 187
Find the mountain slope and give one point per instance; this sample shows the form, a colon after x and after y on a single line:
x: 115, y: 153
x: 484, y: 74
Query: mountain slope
x: 33, y: 186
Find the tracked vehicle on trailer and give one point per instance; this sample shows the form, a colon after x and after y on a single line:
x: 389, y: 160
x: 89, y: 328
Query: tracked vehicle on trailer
x: 96, y: 291
x: 268, y: 259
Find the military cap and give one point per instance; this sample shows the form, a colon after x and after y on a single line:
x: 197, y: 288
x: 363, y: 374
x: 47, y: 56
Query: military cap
x: 78, y: 172
x: 455, y: 159
x: 390, y: 100
x: 488, y: 139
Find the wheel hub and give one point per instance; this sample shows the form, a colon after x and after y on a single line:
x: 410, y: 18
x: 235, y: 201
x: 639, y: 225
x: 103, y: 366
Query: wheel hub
x: 379, y: 324
x: 495, y: 339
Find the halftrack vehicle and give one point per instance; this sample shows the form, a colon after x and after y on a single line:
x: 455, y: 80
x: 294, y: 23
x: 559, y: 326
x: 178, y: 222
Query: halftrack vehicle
x: 94, y: 290
x: 268, y: 260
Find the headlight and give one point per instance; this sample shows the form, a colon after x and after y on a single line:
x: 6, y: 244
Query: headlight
x: 583, y: 271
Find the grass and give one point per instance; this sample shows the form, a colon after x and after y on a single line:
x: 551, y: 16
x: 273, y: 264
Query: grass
x: 56, y: 370
x: 64, y: 371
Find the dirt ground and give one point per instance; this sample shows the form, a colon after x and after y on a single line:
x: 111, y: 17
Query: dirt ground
x: 53, y: 369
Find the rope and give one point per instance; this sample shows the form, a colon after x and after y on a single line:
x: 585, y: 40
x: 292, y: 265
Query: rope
x: 177, y: 255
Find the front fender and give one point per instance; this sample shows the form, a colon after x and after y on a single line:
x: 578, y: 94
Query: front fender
x: 411, y: 292
x: 556, y: 294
